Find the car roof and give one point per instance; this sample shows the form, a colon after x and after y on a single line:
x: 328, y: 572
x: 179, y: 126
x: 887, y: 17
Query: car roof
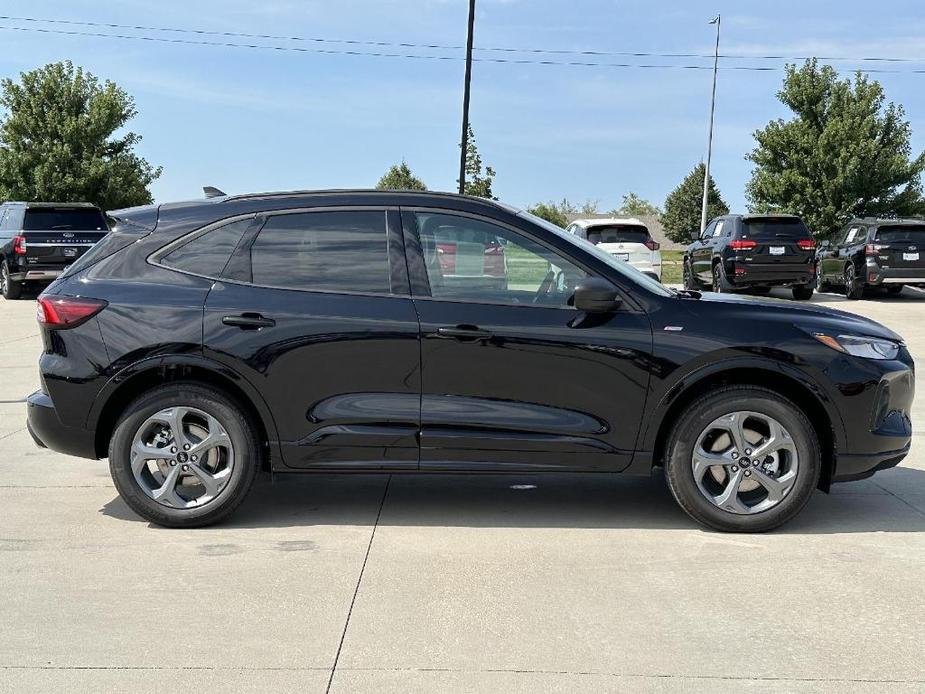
x: 37, y: 205
x: 883, y: 221
x: 606, y: 221
x: 765, y: 215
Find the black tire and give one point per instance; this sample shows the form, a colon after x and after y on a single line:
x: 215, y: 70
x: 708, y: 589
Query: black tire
x: 720, y: 283
x: 895, y: 289
x: 698, y: 415
x: 854, y: 287
x: 689, y: 281
x: 761, y: 290
x: 802, y: 292
x: 10, y: 289
x: 240, y: 430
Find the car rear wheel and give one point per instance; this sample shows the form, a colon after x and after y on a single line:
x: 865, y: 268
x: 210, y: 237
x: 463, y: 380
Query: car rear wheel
x: 802, y: 293
x: 854, y: 288
x: 720, y: 283
x: 742, y: 459
x: 688, y: 277
x: 10, y: 289
x: 183, y: 456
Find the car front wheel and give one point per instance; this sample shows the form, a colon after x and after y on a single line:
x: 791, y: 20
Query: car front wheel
x: 742, y: 459
x: 183, y: 456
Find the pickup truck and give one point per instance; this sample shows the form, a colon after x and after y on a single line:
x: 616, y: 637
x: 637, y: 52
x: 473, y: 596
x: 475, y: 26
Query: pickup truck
x: 38, y: 240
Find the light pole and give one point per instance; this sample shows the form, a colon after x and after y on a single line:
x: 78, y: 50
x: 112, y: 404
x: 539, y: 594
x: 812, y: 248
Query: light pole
x: 706, y: 174
x: 465, y: 118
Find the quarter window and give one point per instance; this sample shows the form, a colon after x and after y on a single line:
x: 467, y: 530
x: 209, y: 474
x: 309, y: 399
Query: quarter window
x: 342, y: 251
x: 472, y: 260
x: 207, y: 253
x: 719, y: 228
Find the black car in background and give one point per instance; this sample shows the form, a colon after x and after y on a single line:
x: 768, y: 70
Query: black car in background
x: 39, y: 239
x: 309, y: 332
x: 888, y: 253
x: 752, y: 251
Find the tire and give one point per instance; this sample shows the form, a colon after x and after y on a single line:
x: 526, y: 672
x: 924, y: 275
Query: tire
x: 755, y: 404
x: 802, y: 292
x: 895, y: 289
x: 854, y: 288
x: 761, y: 291
x: 721, y: 285
x: 10, y: 289
x: 238, y: 444
x: 689, y: 281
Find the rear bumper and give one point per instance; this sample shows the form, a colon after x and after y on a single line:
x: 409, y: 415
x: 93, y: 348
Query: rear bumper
x: 893, y: 275
x: 746, y: 273
x: 48, y: 431
x: 36, y: 275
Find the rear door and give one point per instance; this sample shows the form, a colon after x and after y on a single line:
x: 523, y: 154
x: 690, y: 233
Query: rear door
x: 783, y: 245
x: 901, y: 247
x: 514, y: 377
x: 624, y: 241
x: 57, y: 236
x: 314, y: 310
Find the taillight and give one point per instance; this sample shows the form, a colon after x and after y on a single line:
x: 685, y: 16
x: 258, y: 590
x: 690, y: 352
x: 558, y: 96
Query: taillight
x: 653, y: 245
x: 874, y: 248
x: 806, y: 244
x: 19, y: 245
x: 742, y: 245
x: 67, y: 311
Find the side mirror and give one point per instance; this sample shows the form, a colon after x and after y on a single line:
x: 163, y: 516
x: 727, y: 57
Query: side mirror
x: 695, y: 236
x: 596, y: 295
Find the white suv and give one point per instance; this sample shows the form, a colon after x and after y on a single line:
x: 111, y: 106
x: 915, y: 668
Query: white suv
x: 627, y: 238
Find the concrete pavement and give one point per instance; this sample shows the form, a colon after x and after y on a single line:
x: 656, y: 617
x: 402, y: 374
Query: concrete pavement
x: 452, y: 584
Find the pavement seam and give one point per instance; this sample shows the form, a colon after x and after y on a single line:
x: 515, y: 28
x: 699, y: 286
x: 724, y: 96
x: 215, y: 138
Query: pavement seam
x: 18, y: 431
x: 356, y: 590
x: 896, y: 496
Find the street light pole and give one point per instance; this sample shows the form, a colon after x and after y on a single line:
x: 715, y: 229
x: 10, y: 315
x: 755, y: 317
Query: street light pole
x: 706, y: 174
x: 465, y: 117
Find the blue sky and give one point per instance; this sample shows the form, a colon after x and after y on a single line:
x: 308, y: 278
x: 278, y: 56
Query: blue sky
x: 247, y: 120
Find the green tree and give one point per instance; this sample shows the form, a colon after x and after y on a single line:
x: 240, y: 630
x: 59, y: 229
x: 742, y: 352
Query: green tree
x: 551, y: 212
x: 635, y: 206
x: 683, y: 206
x: 57, y: 140
x: 399, y: 177
x: 843, y: 154
x: 478, y: 182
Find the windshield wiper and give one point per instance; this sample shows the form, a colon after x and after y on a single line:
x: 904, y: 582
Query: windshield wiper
x: 689, y: 293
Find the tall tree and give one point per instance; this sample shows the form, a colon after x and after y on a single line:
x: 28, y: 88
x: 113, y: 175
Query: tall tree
x: 478, y: 181
x: 57, y: 140
x: 551, y: 212
x: 843, y: 154
x: 635, y: 206
x: 399, y: 177
x: 683, y: 206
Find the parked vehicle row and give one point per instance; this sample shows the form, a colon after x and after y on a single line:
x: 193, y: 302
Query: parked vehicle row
x: 39, y: 239
x: 309, y: 332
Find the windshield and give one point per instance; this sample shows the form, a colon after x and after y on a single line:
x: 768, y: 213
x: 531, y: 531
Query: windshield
x: 911, y: 233
x: 64, y: 218
x: 618, y: 233
x: 620, y: 266
x: 770, y: 228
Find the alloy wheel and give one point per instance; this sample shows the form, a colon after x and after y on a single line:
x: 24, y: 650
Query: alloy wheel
x: 717, y: 279
x: 182, y: 457
x: 4, y: 278
x: 850, y: 280
x: 745, y: 462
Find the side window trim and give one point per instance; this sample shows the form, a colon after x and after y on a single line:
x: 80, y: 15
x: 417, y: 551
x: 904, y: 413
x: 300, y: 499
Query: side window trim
x: 157, y: 256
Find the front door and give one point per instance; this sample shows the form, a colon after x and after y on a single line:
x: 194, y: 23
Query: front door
x: 314, y: 311
x: 702, y: 255
x: 514, y: 377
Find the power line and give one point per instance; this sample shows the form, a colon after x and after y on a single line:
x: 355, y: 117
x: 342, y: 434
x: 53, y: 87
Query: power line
x: 412, y: 56
x: 437, y: 46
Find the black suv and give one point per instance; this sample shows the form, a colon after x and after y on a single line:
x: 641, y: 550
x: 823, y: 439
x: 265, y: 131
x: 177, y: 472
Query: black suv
x: 39, y: 239
x: 887, y: 253
x: 202, y: 341
x: 752, y: 251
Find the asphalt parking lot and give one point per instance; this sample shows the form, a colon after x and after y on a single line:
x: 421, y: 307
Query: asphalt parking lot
x: 452, y: 583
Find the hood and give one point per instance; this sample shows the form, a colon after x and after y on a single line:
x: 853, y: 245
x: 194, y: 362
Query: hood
x: 806, y: 315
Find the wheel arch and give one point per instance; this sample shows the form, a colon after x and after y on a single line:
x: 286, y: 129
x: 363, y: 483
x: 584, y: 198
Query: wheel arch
x: 135, y: 380
x: 788, y: 385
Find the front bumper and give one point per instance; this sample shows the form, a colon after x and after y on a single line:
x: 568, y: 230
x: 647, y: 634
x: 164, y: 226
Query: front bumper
x: 48, y: 431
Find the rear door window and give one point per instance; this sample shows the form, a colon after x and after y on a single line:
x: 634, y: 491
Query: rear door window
x: 618, y: 233
x: 900, y: 233
x: 64, y: 219
x: 337, y: 251
x: 771, y: 229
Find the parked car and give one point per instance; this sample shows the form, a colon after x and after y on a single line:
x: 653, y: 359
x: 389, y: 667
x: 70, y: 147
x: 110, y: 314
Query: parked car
x: 888, y: 253
x: 309, y: 332
x: 752, y: 251
x: 39, y: 239
x: 625, y: 238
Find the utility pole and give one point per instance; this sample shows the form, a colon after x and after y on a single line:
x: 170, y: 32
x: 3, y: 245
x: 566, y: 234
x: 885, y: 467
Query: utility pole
x: 465, y: 116
x: 706, y: 174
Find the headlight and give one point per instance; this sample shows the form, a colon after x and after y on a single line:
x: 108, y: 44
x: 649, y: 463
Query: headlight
x: 859, y: 346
